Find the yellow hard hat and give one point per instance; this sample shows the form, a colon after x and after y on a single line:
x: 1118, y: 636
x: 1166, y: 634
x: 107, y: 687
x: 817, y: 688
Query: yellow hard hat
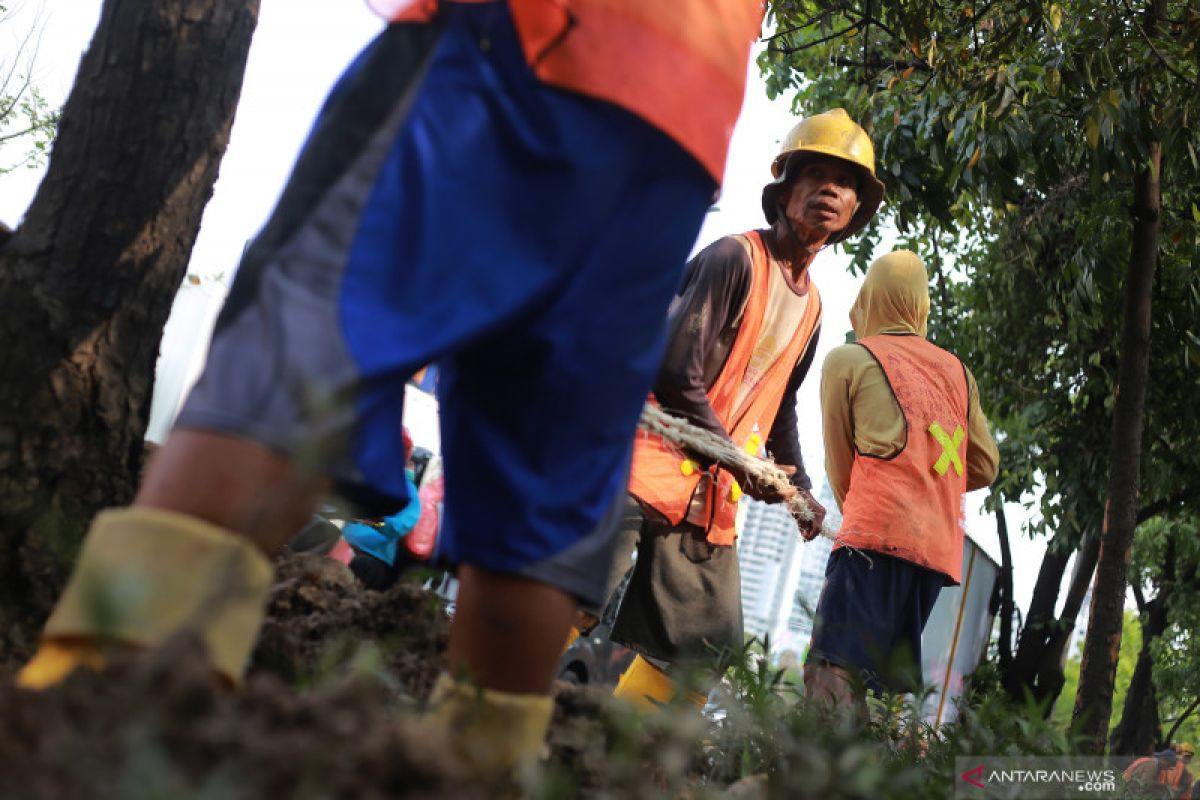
x: 1185, y: 748
x: 835, y: 135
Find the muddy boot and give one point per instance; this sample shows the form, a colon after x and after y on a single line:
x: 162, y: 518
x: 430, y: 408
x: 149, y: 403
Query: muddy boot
x: 56, y: 659
x: 144, y: 574
x: 492, y: 732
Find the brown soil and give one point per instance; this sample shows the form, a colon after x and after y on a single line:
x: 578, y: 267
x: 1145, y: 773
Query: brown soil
x: 329, y: 710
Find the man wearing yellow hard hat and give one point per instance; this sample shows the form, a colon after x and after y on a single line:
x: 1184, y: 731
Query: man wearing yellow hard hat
x: 1180, y: 779
x: 1151, y: 776
x: 742, y: 334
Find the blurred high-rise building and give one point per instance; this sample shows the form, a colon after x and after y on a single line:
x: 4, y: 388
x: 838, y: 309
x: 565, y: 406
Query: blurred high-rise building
x: 781, y: 573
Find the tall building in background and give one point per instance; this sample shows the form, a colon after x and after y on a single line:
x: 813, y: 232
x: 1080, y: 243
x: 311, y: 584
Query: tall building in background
x: 781, y: 573
x: 811, y: 577
x: 768, y: 556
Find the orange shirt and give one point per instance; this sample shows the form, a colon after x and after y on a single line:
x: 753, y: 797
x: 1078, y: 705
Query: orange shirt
x: 679, y: 65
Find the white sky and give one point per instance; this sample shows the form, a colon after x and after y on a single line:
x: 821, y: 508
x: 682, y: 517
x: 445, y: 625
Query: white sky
x: 299, y: 49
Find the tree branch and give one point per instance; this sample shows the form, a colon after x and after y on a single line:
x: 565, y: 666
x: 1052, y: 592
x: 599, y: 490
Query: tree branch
x: 1159, y: 506
x: 1175, y: 727
x: 809, y: 45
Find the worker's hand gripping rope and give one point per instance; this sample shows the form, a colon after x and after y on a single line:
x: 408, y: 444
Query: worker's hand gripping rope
x: 679, y: 431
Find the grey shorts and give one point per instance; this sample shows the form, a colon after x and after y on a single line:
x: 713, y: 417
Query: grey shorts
x: 683, y: 604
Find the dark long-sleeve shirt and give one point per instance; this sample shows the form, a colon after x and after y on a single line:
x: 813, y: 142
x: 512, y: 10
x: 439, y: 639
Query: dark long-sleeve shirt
x: 703, y: 323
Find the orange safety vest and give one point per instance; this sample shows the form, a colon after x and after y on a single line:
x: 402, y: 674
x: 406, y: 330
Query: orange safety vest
x: 1161, y: 774
x: 1165, y: 776
x: 662, y: 476
x: 910, y: 505
x: 1179, y: 778
x: 679, y: 65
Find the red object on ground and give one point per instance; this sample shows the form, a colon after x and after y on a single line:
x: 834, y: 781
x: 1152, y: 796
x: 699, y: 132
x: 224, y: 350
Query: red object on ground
x: 422, y: 538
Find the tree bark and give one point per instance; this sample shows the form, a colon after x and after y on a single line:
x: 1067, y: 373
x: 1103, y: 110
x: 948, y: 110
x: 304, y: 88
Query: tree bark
x: 1005, y: 653
x: 1039, y: 621
x: 1140, y: 729
x: 1093, y: 703
x: 87, y: 280
x: 1051, y: 668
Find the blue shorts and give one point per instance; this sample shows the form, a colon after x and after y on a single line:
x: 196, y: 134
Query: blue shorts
x: 869, y: 619
x: 449, y: 208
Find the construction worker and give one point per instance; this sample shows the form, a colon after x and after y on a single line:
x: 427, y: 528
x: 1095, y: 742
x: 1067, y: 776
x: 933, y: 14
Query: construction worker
x: 1180, y: 779
x: 507, y: 189
x: 379, y: 553
x: 905, y: 438
x: 1149, y: 774
x: 742, y: 334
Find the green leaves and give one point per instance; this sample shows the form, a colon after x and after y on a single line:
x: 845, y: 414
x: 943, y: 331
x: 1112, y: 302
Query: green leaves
x: 1053, y: 81
x: 26, y: 120
x: 1055, y: 17
x: 1010, y: 153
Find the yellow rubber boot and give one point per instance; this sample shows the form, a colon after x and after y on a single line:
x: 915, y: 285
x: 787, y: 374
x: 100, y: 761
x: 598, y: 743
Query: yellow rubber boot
x: 647, y: 688
x: 55, y: 660
x: 492, y: 732
x: 144, y: 574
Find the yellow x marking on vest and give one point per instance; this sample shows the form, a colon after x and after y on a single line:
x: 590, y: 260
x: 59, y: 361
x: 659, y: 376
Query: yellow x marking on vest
x: 949, y: 449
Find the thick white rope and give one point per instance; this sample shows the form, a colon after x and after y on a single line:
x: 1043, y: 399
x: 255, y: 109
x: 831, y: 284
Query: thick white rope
x: 688, y: 437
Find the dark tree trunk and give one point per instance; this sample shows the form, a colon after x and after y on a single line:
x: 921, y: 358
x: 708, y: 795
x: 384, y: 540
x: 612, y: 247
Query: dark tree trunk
x: 1040, y: 621
x: 1140, y: 729
x: 1051, y: 668
x: 1093, y: 703
x: 1005, y: 653
x: 87, y: 280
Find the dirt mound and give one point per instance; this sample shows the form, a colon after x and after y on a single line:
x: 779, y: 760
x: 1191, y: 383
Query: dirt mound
x: 160, y: 726
x: 329, y: 709
x: 320, y: 618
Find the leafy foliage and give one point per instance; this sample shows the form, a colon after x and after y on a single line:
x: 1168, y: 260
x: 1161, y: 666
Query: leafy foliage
x: 1167, y: 561
x: 1007, y: 133
x: 807, y: 750
x: 759, y: 730
x: 26, y: 119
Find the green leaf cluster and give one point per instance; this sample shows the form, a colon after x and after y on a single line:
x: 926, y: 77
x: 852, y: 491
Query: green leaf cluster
x: 27, y: 121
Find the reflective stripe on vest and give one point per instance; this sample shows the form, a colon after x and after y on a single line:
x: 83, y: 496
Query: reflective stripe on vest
x: 662, y: 477
x: 679, y: 65
x: 910, y: 505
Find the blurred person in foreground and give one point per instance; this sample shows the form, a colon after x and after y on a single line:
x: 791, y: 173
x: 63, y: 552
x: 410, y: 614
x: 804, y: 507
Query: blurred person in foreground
x: 507, y: 190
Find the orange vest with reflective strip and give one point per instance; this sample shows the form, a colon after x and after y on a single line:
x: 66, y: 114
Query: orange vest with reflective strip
x: 680, y: 65
x: 910, y: 505
x: 1179, y: 777
x: 662, y: 476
